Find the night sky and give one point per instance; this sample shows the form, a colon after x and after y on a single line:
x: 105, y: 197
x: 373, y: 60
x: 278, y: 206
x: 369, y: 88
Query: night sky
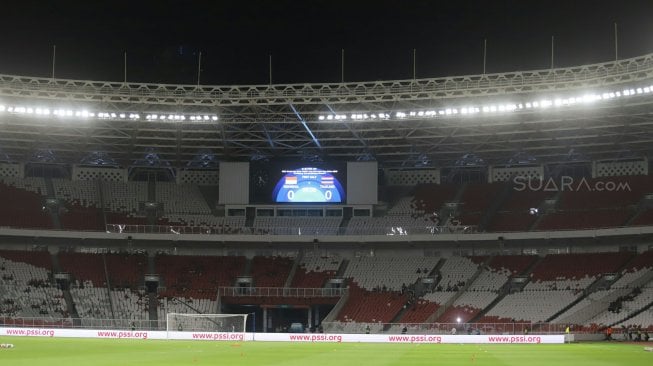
x: 162, y: 38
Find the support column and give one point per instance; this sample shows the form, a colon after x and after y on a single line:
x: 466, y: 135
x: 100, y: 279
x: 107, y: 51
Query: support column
x: 317, y: 315
x: 310, y: 317
x: 265, y: 320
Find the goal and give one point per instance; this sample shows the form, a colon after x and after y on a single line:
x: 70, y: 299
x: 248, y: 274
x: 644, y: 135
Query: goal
x: 222, y: 323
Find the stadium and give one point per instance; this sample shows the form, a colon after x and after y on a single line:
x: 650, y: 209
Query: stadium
x: 482, y: 218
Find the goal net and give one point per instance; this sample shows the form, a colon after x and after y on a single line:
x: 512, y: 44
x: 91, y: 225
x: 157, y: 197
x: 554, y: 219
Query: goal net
x: 221, y: 323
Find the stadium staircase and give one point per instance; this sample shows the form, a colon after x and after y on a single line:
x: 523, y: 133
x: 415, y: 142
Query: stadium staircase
x: 54, y: 211
x: 594, y: 286
x: 446, y: 306
x: 65, y: 289
x: 633, y: 314
x: 344, y: 223
x: 247, y: 270
x: 642, y: 207
x: 602, y: 284
x: 210, y: 195
x: 108, y: 281
x: 583, y: 315
x: 544, y: 210
x: 151, y: 215
x: 494, y: 206
x: 342, y: 268
x: 507, y: 289
x: 446, y: 210
x: 152, y: 296
x: 333, y: 314
x: 293, y: 270
x: 101, y: 197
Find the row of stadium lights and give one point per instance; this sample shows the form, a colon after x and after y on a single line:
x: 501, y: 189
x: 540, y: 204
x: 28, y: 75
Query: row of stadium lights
x: 494, y: 108
x: 487, y: 109
x: 106, y: 115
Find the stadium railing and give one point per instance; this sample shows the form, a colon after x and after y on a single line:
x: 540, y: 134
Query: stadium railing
x: 446, y: 328
x: 281, y: 292
x: 79, y: 323
x: 389, y: 231
x: 327, y: 327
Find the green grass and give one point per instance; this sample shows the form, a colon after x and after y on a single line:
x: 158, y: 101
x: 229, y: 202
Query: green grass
x: 81, y: 352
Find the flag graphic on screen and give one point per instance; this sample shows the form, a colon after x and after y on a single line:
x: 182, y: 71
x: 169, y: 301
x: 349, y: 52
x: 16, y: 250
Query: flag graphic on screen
x: 327, y: 180
x: 291, y: 180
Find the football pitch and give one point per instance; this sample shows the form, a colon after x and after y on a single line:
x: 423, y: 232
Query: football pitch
x: 78, y: 352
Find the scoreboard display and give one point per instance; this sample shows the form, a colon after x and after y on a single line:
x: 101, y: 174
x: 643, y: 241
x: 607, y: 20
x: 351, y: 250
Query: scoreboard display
x: 308, y: 184
x: 293, y: 182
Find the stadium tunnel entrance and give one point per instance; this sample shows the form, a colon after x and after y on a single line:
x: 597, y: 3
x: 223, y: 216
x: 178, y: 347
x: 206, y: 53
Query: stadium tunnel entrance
x: 281, y: 318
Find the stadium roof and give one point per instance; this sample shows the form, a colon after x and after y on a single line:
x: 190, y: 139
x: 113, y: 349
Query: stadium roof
x: 599, y: 111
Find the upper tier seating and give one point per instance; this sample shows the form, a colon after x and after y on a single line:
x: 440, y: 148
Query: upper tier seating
x: 82, y: 204
x: 584, y: 220
x: 478, y: 196
x: 23, y: 203
x: 579, y: 197
x: 430, y: 198
x: 297, y: 225
x: 644, y: 218
x: 124, y: 197
x: 181, y: 198
x: 82, y: 193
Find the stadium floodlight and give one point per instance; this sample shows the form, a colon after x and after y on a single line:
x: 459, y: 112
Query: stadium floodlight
x: 458, y: 320
x: 122, y: 115
x: 321, y: 118
x: 215, y: 118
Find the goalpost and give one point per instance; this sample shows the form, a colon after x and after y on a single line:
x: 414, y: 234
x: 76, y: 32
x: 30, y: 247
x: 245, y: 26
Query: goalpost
x: 218, y: 323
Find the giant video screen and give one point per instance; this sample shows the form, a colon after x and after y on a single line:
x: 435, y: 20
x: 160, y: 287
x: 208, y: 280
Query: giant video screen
x: 288, y: 183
